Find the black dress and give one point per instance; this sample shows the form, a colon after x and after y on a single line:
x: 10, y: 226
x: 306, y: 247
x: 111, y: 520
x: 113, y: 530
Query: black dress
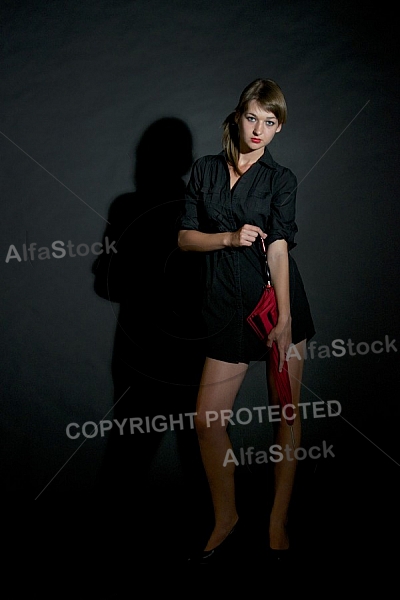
x: 265, y: 196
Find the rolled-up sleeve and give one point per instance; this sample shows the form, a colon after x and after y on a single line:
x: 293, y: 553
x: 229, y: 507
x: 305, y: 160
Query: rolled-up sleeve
x: 190, y: 218
x: 281, y: 222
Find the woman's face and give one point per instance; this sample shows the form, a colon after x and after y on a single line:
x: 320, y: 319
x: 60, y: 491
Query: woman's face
x: 257, y: 128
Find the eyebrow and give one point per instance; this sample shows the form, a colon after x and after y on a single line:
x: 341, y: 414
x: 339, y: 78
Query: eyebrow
x: 267, y: 119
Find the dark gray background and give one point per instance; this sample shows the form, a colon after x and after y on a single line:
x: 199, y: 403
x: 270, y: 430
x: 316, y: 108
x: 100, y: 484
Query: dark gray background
x: 81, y: 83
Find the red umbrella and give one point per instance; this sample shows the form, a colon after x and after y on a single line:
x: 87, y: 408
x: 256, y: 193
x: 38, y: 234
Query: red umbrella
x: 263, y: 319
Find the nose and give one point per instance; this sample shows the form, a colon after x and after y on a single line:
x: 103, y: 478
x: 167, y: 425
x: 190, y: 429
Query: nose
x: 256, y: 129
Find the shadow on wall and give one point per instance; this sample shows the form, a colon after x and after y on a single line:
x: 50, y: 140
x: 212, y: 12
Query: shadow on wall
x: 158, y: 351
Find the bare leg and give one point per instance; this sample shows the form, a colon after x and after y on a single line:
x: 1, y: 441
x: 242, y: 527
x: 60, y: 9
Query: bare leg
x: 284, y: 471
x: 219, y: 386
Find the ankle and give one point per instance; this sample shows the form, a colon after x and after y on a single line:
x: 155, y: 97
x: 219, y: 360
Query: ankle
x: 278, y: 536
x: 220, y: 532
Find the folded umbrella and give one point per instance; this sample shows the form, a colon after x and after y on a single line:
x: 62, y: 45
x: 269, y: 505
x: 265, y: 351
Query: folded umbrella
x: 263, y: 319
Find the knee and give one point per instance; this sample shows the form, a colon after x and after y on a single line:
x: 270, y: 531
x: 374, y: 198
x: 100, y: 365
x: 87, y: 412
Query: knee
x: 201, y: 424
x: 206, y: 426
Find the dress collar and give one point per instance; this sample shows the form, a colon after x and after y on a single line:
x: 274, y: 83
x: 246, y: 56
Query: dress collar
x: 265, y: 159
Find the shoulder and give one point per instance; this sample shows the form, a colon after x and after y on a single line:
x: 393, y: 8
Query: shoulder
x: 208, y: 160
x: 284, y: 182
x: 283, y: 178
x: 280, y: 174
x: 207, y: 165
x: 284, y: 175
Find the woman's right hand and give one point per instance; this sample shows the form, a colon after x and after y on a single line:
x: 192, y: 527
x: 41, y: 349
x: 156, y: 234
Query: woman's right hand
x: 197, y: 241
x: 246, y: 236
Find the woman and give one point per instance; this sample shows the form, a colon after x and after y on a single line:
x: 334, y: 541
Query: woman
x: 233, y: 199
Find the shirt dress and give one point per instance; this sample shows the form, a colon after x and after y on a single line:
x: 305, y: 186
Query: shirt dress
x: 265, y: 195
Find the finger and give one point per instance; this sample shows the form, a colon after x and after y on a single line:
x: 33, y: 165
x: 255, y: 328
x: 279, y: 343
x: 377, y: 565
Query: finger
x: 247, y: 240
x: 250, y: 239
x: 261, y: 233
x: 253, y: 228
x: 254, y: 232
x: 282, y: 357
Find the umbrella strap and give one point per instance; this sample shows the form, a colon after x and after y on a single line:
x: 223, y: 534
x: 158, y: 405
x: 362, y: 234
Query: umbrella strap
x: 292, y: 435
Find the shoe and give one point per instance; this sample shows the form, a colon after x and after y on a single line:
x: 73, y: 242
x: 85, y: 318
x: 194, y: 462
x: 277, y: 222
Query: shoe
x: 279, y: 557
x: 220, y: 552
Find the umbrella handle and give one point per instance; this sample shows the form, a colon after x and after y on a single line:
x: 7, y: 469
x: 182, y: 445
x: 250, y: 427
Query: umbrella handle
x: 267, y: 271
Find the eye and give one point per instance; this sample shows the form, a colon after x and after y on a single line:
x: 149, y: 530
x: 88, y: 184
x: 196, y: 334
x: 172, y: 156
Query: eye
x: 270, y: 123
x: 250, y: 118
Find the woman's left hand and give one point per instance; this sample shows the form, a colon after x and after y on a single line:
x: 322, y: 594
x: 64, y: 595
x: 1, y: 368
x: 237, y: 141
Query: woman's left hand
x: 281, y: 334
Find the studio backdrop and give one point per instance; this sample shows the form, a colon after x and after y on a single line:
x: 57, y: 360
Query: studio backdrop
x: 105, y: 107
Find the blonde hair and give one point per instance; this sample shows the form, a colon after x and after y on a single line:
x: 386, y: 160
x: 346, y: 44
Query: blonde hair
x: 269, y: 96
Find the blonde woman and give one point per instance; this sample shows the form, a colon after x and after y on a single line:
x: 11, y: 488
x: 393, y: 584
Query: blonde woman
x: 232, y: 200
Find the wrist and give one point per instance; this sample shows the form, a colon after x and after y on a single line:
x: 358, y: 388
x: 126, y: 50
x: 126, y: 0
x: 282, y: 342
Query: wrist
x: 227, y: 239
x: 284, y: 318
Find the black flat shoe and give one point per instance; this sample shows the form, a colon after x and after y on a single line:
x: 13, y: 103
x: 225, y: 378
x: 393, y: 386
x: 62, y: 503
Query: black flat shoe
x: 279, y: 557
x: 217, y: 554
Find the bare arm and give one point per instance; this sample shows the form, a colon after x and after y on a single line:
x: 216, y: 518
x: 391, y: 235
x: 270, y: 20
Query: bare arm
x: 197, y: 241
x: 278, y: 261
